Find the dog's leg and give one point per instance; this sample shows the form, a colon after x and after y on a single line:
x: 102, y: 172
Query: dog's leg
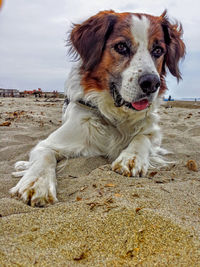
x: 37, y: 186
x: 134, y: 160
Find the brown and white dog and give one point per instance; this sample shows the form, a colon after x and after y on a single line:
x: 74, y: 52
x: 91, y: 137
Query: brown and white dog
x: 112, y: 96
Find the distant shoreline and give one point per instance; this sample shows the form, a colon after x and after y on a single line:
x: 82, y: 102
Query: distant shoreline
x: 184, y: 99
x: 182, y: 104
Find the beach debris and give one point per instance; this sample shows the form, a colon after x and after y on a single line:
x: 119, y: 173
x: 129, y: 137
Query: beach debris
x: 73, y: 193
x: 141, y: 231
x: 93, y: 204
x: 164, y: 180
x: 192, y: 165
x: 117, y: 195
x: 165, y: 190
x: 78, y: 198
x: 135, y: 195
x: 110, y: 185
x: 17, y: 113
x: 152, y: 174
x: 189, y: 116
x: 5, y: 123
x: 80, y: 257
x: 138, y: 209
x: 100, y: 192
x: 83, y: 188
x: 34, y: 229
x: 106, y: 204
x: 108, y: 201
x: 130, y: 254
x: 72, y: 176
x: 10, y: 116
x: 160, y: 181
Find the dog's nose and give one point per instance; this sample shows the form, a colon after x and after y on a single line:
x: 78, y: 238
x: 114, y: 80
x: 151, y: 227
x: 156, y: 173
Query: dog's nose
x: 149, y: 83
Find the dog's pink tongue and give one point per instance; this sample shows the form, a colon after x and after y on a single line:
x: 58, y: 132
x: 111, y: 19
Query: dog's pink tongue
x: 140, y: 105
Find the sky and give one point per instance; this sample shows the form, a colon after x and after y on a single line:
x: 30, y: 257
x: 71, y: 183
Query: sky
x: 33, y: 36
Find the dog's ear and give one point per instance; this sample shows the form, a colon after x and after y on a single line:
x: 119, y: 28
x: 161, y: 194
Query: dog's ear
x: 89, y: 38
x: 175, y: 45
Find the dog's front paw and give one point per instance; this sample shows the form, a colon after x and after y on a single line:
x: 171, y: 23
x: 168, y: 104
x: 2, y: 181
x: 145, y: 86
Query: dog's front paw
x: 36, y: 190
x: 130, y: 165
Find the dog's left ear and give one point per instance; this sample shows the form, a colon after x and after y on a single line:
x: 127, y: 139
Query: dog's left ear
x: 175, y: 45
x: 89, y: 38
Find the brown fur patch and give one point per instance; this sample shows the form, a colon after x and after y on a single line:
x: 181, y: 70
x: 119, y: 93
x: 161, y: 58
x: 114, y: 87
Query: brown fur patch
x: 131, y: 164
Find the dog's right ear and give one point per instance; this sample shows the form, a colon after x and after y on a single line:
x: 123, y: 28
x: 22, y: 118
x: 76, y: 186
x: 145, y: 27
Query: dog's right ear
x: 89, y: 38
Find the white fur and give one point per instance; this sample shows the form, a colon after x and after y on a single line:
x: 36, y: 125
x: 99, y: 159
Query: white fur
x: 131, y: 138
x: 142, y: 62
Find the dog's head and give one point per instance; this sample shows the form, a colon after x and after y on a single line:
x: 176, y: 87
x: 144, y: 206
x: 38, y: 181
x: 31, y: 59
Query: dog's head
x: 128, y: 54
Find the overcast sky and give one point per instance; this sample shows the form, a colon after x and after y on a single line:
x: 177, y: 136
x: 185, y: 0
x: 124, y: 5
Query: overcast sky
x: 33, y: 34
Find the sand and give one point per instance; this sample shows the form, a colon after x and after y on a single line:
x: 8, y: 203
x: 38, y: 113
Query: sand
x: 102, y: 218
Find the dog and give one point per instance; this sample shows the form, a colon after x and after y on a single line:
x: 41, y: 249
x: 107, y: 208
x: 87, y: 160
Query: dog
x: 112, y: 97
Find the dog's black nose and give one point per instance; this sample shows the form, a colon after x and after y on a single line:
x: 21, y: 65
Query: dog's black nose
x: 149, y: 83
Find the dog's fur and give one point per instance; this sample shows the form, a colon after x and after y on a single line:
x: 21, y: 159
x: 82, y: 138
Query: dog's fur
x: 106, y: 111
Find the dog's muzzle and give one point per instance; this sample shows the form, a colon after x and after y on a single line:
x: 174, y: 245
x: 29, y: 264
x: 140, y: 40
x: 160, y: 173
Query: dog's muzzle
x: 119, y: 101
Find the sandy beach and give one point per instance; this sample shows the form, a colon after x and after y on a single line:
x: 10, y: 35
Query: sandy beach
x: 102, y: 218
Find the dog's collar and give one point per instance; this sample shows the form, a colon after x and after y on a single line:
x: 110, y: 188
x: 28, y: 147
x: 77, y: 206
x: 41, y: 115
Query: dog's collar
x: 84, y: 104
x: 87, y: 104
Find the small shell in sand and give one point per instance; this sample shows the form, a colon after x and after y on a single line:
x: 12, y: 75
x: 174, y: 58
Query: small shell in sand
x: 192, y: 165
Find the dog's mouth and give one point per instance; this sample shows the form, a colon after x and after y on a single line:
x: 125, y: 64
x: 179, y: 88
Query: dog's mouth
x: 139, y: 105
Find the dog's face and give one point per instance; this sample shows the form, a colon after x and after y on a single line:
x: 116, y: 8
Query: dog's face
x: 127, y: 54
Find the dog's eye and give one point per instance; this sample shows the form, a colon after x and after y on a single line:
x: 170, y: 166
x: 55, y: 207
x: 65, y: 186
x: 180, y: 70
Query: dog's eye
x: 122, y: 48
x: 157, y: 52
